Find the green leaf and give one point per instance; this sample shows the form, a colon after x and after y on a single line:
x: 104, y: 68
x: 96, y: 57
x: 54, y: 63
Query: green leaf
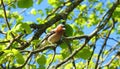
x: 17, y: 28
x: 68, y: 66
x: 33, y: 66
x: 6, y: 57
x: 64, y: 53
x: 21, y: 28
x: 1, y: 48
x: 63, y: 45
x: 9, y: 36
x: 25, y: 3
x: 49, y: 59
x: 39, y: 1
x: 41, y: 67
x: 116, y: 14
x: 18, y: 56
x: 41, y: 60
x: 83, y: 7
x: 69, y: 30
x: 27, y: 28
x: 20, y: 18
x: 85, y: 53
x: 41, y: 12
x: 98, y: 6
x: 7, y: 51
x: 33, y: 11
x: 55, y: 3
x: 2, y: 59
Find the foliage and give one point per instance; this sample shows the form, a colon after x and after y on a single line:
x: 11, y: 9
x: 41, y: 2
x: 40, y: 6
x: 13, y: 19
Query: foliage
x: 91, y: 38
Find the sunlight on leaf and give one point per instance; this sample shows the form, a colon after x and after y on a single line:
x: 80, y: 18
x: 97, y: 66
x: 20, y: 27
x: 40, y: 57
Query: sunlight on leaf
x: 18, y: 56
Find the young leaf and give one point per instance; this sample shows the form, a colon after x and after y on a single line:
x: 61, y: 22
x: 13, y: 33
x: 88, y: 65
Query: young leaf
x: 69, y: 30
x: 33, y: 11
x: 25, y: 3
x: 18, y: 56
x: 41, y: 60
x: 39, y: 1
x: 85, y: 53
x: 26, y: 28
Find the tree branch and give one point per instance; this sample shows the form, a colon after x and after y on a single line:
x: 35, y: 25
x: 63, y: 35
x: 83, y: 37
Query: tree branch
x: 70, y: 49
x: 10, y: 43
x: 94, y: 46
x: 43, y: 48
x: 2, y: 32
x: 5, y: 15
x: 56, y: 18
x: 52, y: 58
x: 20, y: 67
x: 107, y: 64
x: 71, y: 56
x: 104, y: 44
x: 109, y: 52
x: 104, y: 20
x: 76, y: 37
x: 42, y: 27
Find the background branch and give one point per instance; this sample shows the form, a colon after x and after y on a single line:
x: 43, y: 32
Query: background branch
x: 71, y: 56
x: 104, y: 44
x: 54, y: 53
x: 29, y: 56
x: 5, y: 15
x: 57, y: 18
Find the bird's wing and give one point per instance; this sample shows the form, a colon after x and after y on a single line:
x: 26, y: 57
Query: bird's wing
x: 48, y: 35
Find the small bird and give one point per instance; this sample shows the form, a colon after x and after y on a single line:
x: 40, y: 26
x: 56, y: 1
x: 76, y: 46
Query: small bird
x: 54, y: 36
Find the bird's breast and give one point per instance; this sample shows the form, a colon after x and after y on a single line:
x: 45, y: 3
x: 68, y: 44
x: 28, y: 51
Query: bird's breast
x: 54, y: 38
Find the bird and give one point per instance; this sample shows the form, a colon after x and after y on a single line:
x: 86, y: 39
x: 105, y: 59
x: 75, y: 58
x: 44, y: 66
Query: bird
x: 54, y: 36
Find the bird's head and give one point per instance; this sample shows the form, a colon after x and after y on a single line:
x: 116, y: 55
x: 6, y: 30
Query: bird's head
x: 60, y: 28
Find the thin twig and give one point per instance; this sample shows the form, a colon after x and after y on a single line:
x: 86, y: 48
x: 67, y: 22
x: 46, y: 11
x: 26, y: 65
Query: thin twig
x: 5, y: 15
x: 20, y: 67
x: 4, y: 41
x: 11, y: 42
x: 76, y: 37
x: 43, y: 48
x: 2, y: 32
x: 104, y: 44
x: 70, y: 49
x: 103, y: 22
x: 109, y: 52
x: 9, y: 4
x: 73, y: 54
x: 107, y: 64
x: 54, y: 53
x: 40, y: 28
x: 94, y: 46
x: 63, y: 14
x: 56, y: 9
